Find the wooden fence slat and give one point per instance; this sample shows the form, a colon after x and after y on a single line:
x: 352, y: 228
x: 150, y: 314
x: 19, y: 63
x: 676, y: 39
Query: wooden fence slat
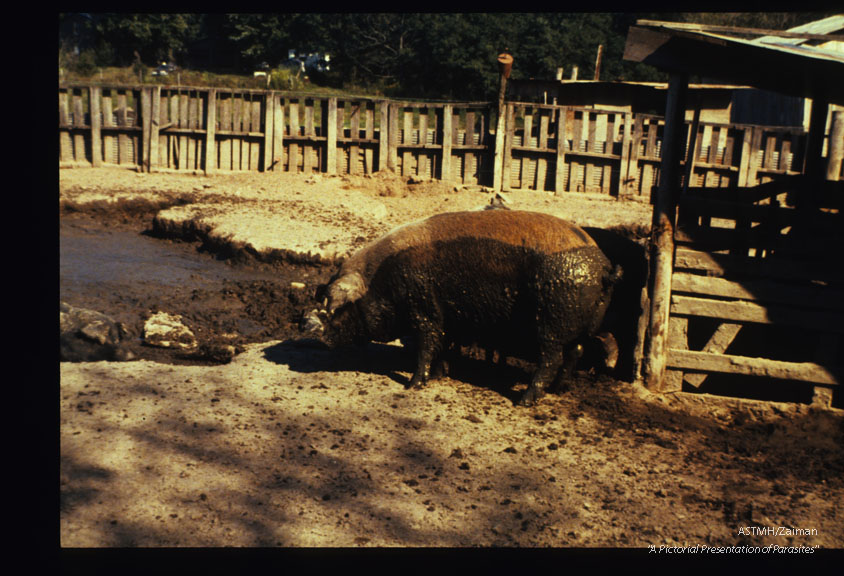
x: 741, y: 311
x: 560, y: 168
x: 293, y: 147
x: 368, y: 156
x: 445, y: 125
x: 801, y: 371
x: 96, y: 123
x: 330, y: 127
x: 759, y: 291
x: 211, y: 133
x: 269, y: 116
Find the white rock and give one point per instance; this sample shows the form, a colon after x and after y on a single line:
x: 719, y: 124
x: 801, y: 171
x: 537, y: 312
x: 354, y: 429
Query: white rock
x: 167, y: 331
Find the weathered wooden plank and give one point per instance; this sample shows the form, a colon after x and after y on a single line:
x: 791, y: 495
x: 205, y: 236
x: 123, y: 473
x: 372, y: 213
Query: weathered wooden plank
x: 422, y: 158
x: 255, y: 126
x: 506, y: 172
x: 678, y: 339
x: 742, y: 311
x: 96, y: 124
x: 624, y: 165
x: 717, y: 344
x: 393, y: 125
x: 330, y: 125
x: 155, y: 136
x: 267, y: 104
x: 774, y: 268
x: 760, y: 291
x: 447, y: 116
x: 560, y: 167
x: 308, y: 150
x: 542, y: 162
x: 407, y: 138
x: 293, y: 147
x: 469, y: 159
x: 384, y: 135
x: 664, y: 220
x: 210, y: 132
x: 633, y: 169
x: 146, y: 118
x: 109, y: 156
x: 368, y: 154
x: 124, y: 153
x: 723, y: 363
x: 226, y: 145
x: 79, y: 152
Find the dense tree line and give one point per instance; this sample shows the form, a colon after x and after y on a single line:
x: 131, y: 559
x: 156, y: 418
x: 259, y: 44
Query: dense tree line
x: 432, y: 55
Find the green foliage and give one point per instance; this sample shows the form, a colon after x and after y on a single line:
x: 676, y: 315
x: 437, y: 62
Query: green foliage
x: 410, y: 55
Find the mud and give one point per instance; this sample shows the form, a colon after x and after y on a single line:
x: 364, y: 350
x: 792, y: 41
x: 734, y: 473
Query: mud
x: 115, y: 262
x: 283, y: 445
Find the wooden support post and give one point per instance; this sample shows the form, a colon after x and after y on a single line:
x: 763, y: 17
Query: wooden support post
x: 446, y: 127
x: 330, y: 127
x: 662, y: 235
x: 510, y: 131
x: 278, y: 133
x: 384, y: 135
x: 96, y: 125
x: 835, y: 150
x: 211, y: 132
x: 623, y: 179
x: 393, y: 125
x: 559, y: 171
x: 267, y: 161
x: 505, y: 63
x: 154, y: 134
x: 146, y: 129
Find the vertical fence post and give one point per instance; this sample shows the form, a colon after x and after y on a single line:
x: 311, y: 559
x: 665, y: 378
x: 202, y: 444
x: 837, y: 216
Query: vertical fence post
x: 146, y: 129
x: 505, y: 63
x: 624, y: 167
x: 560, y: 169
x: 393, y: 125
x: 154, y: 128
x: 211, y: 133
x: 267, y: 163
x: 278, y: 133
x: 663, y: 228
x: 835, y: 151
x: 447, y: 112
x: 96, y: 125
x: 330, y: 128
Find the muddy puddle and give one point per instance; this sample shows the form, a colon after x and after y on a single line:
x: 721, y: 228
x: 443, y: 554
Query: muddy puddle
x: 124, y: 271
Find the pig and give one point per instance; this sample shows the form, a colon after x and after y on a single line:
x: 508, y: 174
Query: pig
x: 525, y: 283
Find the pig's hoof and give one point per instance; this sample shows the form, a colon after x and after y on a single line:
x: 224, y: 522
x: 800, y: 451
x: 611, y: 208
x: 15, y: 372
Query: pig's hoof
x: 416, y: 383
x: 530, y: 397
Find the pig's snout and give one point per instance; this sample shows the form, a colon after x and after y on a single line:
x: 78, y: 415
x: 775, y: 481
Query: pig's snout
x: 311, y: 324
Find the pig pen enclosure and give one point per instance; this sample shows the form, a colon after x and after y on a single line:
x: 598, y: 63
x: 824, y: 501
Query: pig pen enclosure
x: 238, y: 205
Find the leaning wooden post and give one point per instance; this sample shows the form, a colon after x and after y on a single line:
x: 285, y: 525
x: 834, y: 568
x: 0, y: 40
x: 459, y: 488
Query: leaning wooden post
x: 505, y: 64
x: 662, y: 229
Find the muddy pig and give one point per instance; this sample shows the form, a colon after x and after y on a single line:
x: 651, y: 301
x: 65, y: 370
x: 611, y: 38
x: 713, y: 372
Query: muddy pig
x: 517, y: 281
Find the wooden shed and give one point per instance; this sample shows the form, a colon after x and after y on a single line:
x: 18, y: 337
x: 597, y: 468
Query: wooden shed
x: 747, y: 282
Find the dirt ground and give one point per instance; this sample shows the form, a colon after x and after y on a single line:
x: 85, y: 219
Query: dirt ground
x: 252, y: 440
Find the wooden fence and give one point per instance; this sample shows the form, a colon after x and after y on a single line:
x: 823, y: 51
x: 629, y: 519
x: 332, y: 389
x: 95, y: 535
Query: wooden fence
x: 552, y: 148
x: 757, y: 288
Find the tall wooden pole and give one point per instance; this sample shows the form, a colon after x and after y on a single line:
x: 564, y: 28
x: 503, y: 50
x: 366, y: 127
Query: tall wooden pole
x: 505, y: 64
x: 662, y: 229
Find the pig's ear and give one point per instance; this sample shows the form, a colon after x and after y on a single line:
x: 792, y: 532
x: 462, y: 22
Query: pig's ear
x: 346, y: 289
